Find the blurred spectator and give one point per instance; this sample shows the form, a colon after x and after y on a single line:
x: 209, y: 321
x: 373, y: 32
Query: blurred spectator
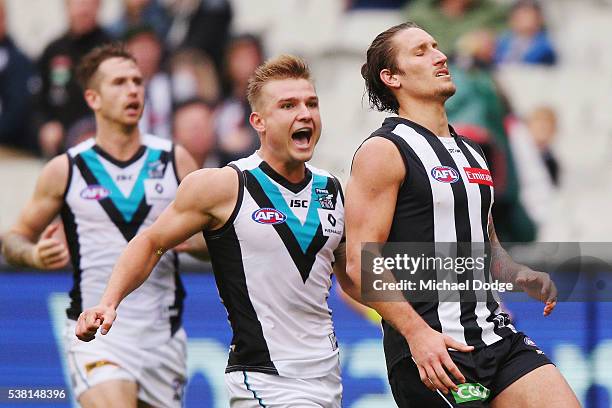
x: 536, y: 187
x: 447, y: 20
x: 527, y: 40
x: 235, y: 136
x: 477, y: 111
x: 542, y: 124
x: 18, y: 83
x: 61, y: 102
x: 141, y: 12
x: 200, y: 24
x: 147, y: 49
x: 193, y: 128
x: 193, y: 75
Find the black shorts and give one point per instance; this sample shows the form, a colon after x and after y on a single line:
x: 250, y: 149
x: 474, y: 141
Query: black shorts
x: 487, y: 371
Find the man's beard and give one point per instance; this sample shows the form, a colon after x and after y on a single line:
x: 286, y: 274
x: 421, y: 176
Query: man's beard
x: 446, y: 92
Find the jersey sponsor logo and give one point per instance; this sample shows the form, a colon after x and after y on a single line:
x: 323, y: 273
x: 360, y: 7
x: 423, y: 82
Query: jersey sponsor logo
x: 298, y: 203
x: 123, y: 177
x: 480, y: 176
x: 445, y: 174
x: 268, y: 216
x: 325, y: 199
x: 471, y: 392
x: 94, y: 192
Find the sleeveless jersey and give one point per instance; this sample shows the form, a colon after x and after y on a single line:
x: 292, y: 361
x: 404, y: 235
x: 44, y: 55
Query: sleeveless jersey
x: 446, y: 197
x: 107, y: 202
x: 272, y: 262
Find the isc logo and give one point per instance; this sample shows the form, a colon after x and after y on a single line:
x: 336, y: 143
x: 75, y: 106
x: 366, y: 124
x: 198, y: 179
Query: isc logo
x: 445, y: 174
x: 94, y: 192
x: 268, y: 216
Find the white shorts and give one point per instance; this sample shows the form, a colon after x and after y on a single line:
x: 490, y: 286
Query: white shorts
x: 160, y: 372
x: 249, y: 389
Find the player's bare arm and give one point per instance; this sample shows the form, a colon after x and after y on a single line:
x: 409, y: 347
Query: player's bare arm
x: 204, y: 201
x: 30, y: 241
x: 378, y: 173
x: 537, y: 285
x: 185, y: 164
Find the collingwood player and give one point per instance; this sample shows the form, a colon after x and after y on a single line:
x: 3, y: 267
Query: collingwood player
x: 106, y: 190
x: 274, y: 227
x: 415, y: 180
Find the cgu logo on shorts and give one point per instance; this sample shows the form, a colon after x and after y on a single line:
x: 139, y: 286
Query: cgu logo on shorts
x: 94, y: 192
x: 445, y: 174
x: 268, y: 216
x: 471, y: 392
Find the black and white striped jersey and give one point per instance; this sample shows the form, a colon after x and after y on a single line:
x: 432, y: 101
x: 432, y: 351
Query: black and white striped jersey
x: 446, y: 197
x: 272, y: 262
x: 107, y: 202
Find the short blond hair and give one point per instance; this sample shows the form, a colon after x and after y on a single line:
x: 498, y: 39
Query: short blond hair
x: 282, y: 67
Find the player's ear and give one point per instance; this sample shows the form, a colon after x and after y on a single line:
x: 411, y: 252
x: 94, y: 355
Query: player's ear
x: 92, y: 98
x: 258, y: 122
x: 390, y: 79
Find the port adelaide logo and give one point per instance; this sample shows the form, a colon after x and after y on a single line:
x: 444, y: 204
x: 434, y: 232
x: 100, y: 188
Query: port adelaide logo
x: 268, y: 216
x: 445, y: 174
x: 325, y: 199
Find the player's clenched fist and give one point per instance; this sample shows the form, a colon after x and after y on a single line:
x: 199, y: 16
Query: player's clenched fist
x: 92, y: 319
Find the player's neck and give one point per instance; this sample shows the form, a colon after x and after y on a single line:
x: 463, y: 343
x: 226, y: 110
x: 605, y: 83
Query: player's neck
x: 293, y: 172
x: 118, y: 141
x: 430, y: 115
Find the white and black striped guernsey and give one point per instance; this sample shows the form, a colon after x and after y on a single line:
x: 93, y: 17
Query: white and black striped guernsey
x: 446, y: 197
x: 272, y: 262
x: 107, y: 202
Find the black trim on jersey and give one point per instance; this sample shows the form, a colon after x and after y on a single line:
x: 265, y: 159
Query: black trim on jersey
x: 72, y: 239
x: 303, y: 261
x: 472, y: 331
x: 179, y: 296
x: 69, y: 180
x: 120, y: 163
x: 173, y: 160
x: 249, y: 351
x: 338, y: 188
x: 219, y: 231
x: 127, y: 229
x: 293, y: 187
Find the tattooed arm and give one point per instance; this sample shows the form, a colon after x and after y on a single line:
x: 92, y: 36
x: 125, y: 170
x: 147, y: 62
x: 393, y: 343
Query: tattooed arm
x: 537, y: 285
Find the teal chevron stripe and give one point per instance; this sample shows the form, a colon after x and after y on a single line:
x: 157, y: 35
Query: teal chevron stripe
x: 127, y: 206
x: 304, y: 234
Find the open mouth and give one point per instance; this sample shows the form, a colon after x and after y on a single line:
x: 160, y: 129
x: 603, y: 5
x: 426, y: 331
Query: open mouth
x: 133, y: 107
x: 301, y: 137
x: 442, y: 73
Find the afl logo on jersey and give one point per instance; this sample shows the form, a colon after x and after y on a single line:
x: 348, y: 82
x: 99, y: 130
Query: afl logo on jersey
x: 445, y: 174
x: 94, y: 192
x: 269, y: 216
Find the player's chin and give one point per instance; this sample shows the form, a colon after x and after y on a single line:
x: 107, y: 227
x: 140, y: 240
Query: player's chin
x: 303, y: 155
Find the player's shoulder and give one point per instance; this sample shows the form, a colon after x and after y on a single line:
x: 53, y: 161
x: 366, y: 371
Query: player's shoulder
x: 156, y: 142
x: 81, y: 147
x: 54, y: 175
x: 247, y: 163
x: 319, y: 171
x: 211, y: 185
